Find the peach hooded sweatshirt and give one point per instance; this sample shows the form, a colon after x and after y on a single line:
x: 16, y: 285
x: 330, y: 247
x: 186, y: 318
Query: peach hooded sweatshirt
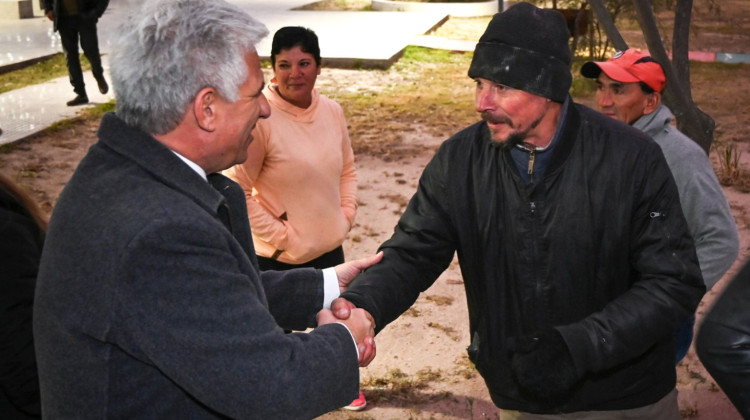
x: 299, y: 179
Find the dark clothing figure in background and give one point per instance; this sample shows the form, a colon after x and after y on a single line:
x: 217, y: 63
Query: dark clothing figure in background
x: 576, y: 258
x: 723, y: 341
x: 21, y: 239
x: 74, y: 20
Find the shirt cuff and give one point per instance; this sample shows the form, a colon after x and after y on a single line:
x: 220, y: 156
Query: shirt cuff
x: 330, y: 287
x: 356, y: 347
x: 330, y: 292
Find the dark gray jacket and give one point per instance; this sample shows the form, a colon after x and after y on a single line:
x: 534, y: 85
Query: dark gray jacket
x: 706, y: 209
x: 598, y: 249
x: 149, y: 302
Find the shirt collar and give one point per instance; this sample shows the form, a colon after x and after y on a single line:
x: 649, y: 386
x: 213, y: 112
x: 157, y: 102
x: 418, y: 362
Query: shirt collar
x: 194, y: 166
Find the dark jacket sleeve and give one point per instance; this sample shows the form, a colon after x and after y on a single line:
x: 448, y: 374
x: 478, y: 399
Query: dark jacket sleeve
x: 667, y: 285
x: 421, y: 248
x: 190, y: 310
x: 723, y: 341
x: 294, y: 296
x: 101, y: 7
x: 20, y: 250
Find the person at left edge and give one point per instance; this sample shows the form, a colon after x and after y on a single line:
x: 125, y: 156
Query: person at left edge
x: 76, y: 20
x: 22, y: 228
x: 149, y: 300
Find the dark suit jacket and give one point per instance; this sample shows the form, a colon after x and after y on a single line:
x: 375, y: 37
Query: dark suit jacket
x: 21, y: 242
x: 150, y: 304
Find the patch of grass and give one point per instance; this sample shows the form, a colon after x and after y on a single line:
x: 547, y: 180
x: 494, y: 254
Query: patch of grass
x: 582, y: 87
x: 364, y: 5
x: 30, y: 171
x: 86, y: 114
x: 463, y: 28
x: 689, y: 412
x: 399, y: 387
x: 696, y: 375
x: 465, y: 368
x: 395, y: 198
x: 449, y: 331
x: 729, y: 161
x: 424, y: 55
x: 38, y: 73
x: 434, y: 91
x: 440, y: 300
x: 413, y: 312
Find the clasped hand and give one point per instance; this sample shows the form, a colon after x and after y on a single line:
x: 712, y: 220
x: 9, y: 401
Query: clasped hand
x: 359, y: 321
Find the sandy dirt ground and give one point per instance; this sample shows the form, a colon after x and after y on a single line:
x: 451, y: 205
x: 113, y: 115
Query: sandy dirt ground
x: 421, y: 371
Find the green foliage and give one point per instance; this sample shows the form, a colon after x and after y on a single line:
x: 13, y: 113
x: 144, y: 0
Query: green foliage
x: 729, y: 161
x: 41, y: 72
x: 88, y: 113
x: 362, y: 5
x: 582, y: 87
x: 433, y: 90
x: 397, y: 386
x: 413, y: 54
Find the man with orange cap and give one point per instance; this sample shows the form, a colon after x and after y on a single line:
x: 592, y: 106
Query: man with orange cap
x: 628, y: 88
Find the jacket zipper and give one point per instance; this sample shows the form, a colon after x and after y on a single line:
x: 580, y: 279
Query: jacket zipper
x: 530, y: 169
x: 534, y: 251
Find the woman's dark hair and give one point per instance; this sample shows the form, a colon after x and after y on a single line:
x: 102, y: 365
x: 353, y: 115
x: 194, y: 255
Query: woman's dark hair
x: 289, y: 37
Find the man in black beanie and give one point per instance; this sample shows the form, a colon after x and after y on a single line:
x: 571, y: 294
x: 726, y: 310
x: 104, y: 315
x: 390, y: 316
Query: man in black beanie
x: 577, y: 261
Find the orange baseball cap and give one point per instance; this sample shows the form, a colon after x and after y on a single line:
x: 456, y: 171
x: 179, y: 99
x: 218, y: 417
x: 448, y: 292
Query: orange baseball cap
x: 628, y: 66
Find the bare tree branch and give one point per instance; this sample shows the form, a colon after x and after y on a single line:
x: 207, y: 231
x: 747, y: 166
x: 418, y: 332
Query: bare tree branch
x: 693, y: 122
x: 605, y: 20
x: 681, y: 42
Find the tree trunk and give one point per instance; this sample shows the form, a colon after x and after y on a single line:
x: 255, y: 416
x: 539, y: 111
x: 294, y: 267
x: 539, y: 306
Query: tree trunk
x: 602, y: 15
x: 693, y: 122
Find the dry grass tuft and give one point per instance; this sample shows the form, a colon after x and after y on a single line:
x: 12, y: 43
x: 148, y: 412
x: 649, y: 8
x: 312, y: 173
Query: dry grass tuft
x: 399, y: 388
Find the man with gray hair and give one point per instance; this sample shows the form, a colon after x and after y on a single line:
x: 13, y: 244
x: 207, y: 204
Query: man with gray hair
x: 576, y: 258
x: 149, y: 300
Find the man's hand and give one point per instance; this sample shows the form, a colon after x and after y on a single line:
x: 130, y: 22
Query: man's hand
x: 341, y: 309
x: 50, y: 15
x: 366, y: 351
x: 362, y: 327
x: 348, y: 270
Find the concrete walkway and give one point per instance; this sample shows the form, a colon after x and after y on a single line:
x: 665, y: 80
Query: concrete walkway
x: 367, y: 39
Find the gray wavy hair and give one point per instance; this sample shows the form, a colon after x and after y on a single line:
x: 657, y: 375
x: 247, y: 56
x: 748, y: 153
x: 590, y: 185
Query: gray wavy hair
x: 168, y: 50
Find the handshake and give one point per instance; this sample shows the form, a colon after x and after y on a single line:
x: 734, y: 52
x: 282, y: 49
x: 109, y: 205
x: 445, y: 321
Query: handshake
x: 359, y: 322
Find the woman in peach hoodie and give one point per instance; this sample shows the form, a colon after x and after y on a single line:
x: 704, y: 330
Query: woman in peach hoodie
x: 299, y: 178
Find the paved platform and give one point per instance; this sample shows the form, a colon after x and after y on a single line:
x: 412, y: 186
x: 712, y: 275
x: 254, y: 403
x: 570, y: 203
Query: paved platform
x: 347, y: 39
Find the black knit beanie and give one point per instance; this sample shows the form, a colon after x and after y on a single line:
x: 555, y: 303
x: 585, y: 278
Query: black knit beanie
x: 526, y: 48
